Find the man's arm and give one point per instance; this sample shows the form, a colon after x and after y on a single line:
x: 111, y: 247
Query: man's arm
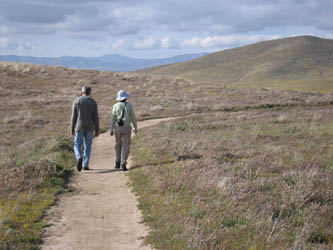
x: 74, y: 117
x: 96, y: 120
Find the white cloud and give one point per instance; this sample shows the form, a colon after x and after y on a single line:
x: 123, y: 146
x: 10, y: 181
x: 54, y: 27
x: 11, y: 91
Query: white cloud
x: 216, y: 17
x: 165, y: 42
x: 4, y: 43
x: 165, y: 25
x: 9, y: 46
x: 168, y: 43
x: 222, y: 41
x: 149, y: 43
x: 119, y: 44
x: 207, y: 42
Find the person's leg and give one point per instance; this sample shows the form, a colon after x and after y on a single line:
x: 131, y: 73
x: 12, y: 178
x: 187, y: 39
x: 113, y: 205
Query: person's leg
x: 126, y: 135
x: 88, y: 139
x: 118, y: 145
x: 78, y: 140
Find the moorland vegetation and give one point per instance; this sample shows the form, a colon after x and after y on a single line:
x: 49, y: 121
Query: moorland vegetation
x: 254, y: 179
x: 239, y: 168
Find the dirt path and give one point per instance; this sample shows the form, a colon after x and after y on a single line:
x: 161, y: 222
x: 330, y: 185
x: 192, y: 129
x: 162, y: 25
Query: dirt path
x: 101, y: 213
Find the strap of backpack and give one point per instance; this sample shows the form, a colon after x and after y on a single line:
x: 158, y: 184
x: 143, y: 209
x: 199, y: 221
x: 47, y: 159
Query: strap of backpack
x: 123, y: 111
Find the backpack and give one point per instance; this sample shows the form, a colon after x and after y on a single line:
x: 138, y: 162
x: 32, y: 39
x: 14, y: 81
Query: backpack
x: 120, y: 121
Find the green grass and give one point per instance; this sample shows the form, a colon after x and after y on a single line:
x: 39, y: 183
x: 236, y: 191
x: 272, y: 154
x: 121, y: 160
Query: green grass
x: 22, y: 212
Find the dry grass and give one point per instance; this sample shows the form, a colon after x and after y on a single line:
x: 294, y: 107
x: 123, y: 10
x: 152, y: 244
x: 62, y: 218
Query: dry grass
x: 35, y: 109
x: 36, y: 100
x: 246, y: 180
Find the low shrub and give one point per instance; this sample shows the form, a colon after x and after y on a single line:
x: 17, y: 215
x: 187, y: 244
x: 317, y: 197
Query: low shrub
x: 238, y: 180
x: 27, y: 190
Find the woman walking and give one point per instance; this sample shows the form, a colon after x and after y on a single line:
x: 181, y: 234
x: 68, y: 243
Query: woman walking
x: 120, y: 124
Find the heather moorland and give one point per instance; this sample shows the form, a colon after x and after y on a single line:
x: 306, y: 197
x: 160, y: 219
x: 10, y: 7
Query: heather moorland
x: 238, y: 168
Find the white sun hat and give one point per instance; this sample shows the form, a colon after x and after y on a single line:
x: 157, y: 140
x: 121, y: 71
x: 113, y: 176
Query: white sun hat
x: 122, y: 95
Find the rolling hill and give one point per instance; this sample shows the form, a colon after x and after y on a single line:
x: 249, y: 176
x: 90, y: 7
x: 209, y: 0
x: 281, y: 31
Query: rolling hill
x: 260, y: 159
x: 297, y: 63
x: 112, y: 62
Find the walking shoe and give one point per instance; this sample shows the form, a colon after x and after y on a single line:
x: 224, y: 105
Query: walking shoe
x: 86, y: 168
x: 79, y: 164
x: 117, y: 164
x: 123, y: 166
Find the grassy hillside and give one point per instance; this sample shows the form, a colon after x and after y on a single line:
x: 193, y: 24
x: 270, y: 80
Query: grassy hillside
x: 298, y: 63
x: 36, y: 155
x: 256, y: 179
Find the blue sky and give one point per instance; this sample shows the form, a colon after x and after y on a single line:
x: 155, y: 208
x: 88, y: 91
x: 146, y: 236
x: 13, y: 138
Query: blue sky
x: 153, y: 28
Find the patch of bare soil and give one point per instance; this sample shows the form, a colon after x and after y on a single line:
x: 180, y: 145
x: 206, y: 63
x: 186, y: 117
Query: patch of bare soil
x: 101, y: 212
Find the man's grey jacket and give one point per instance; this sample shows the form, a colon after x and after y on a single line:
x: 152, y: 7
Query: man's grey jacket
x: 84, y: 115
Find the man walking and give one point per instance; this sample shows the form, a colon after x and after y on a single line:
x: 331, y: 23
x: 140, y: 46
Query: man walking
x: 83, y: 123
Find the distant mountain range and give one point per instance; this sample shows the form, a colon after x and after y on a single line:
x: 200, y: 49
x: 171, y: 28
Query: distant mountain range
x: 111, y: 62
x: 300, y: 63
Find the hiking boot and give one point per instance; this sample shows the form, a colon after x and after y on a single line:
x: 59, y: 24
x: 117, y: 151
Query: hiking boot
x: 117, y: 164
x: 79, y: 164
x: 123, y: 166
x: 86, y: 168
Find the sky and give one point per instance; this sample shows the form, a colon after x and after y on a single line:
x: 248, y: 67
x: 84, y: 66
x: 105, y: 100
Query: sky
x: 153, y: 28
